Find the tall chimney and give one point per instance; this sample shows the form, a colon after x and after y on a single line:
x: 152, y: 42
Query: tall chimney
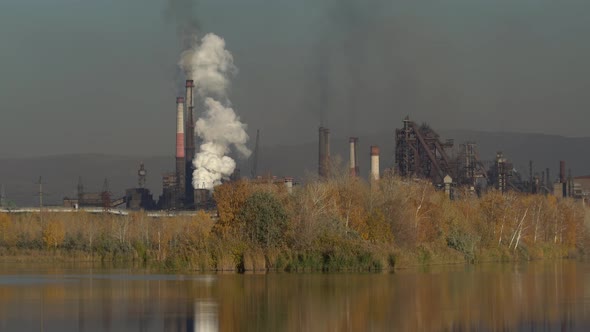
x: 327, y: 161
x: 190, y: 141
x: 180, y: 150
x: 374, y: 162
x: 562, y: 171
x: 324, y: 153
x: 354, y: 169
x: 321, y: 153
x: 531, y: 177
x: 570, y: 184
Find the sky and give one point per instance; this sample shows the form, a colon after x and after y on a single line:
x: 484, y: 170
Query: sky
x: 101, y: 76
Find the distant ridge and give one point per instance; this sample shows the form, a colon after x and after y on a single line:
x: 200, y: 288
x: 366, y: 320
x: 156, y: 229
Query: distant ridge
x: 60, y: 172
x: 60, y: 175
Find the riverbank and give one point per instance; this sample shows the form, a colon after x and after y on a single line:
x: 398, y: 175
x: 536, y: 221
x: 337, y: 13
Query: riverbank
x: 257, y: 261
x: 340, y: 224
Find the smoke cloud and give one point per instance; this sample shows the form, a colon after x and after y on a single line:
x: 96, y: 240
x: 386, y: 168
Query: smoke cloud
x: 210, y: 65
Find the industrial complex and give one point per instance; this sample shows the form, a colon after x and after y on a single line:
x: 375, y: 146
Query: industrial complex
x: 419, y: 153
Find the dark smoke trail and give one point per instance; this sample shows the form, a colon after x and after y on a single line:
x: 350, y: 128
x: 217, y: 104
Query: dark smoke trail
x: 183, y: 13
x: 349, y: 26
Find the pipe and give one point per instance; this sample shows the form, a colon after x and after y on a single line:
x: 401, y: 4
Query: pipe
x: 375, y: 162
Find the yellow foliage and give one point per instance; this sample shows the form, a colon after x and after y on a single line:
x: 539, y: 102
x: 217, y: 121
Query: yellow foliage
x: 196, y: 231
x: 7, y: 231
x: 230, y: 198
x: 53, y: 233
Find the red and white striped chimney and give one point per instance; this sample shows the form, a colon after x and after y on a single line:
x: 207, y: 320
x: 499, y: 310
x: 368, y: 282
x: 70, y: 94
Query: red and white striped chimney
x: 180, y: 152
x: 180, y: 127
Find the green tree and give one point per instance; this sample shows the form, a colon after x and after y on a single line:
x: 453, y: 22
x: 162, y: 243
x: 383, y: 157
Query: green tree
x: 264, y: 219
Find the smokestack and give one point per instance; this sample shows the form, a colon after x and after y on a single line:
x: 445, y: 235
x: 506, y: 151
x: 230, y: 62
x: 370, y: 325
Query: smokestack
x: 570, y: 184
x: 562, y: 171
x: 324, y: 152
x: 327, y: 162
x: 190, y: 141
x: 531, y: 177
x: 180, y: 149
x: 374, y: 162
x: 354, y: 169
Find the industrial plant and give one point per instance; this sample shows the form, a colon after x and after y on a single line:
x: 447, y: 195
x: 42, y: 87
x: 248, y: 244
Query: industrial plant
x: 419, y: 153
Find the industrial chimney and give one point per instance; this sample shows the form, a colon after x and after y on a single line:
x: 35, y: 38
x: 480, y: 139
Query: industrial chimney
x: 180, y: 152
x: 324, y: 152
x: 321, y: 152
x: 190, y: 141
x: 562, y: 178
x: 327, y: 162
x: 374, y: 162
x: 354, y: 168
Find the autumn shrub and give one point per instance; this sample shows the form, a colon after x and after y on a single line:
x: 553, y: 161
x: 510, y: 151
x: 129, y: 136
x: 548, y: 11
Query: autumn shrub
x: 8, y: 236
x: 53, y: 233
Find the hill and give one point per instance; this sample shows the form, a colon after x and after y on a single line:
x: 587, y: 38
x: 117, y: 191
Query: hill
x: 60, y: 173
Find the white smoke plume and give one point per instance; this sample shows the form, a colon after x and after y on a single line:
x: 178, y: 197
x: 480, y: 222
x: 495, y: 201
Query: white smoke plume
x: 209, y: 64
x: 219, y: 128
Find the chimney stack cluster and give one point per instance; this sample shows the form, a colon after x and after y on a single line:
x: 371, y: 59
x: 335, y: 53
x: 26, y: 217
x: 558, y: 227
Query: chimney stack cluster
x: 324, y: 163
x: 185, y: 148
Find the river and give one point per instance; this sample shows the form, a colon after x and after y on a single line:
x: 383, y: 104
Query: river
x: 513, y: 296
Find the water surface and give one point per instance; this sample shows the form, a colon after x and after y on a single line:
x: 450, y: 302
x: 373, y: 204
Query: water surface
x: 487, y: 297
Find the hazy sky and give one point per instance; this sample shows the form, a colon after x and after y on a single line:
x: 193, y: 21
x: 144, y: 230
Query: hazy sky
x: 101, y: 76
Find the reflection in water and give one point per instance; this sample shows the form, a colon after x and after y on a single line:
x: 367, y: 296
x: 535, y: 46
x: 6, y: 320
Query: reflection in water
x: 206, y: 316
x: 539, y: 296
